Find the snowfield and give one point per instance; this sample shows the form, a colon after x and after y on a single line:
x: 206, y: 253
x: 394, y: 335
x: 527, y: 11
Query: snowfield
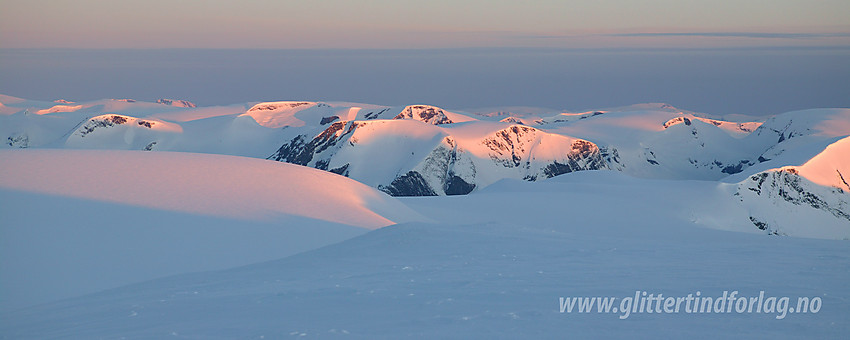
x: 79, y: 221
x: 129, y: 219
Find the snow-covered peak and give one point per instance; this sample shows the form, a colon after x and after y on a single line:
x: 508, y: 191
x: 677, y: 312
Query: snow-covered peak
x: 280, y: 106
x: 425, y: 113
x: 114, y: 131
x: 59, y: 108
x: 116, y: 119
x: 291, y: 113
x: 512, y: 120
x: 732, y: 128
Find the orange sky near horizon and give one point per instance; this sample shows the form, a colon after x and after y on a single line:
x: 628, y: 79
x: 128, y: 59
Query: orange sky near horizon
x: 432, y: 24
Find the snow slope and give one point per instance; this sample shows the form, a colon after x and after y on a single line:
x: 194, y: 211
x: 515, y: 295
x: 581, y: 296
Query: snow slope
x: 225, y: 186
x: 830, y: 167
x: 80, y: 221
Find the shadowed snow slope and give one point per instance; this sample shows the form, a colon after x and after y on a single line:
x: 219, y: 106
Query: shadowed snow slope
x: 496, y: 280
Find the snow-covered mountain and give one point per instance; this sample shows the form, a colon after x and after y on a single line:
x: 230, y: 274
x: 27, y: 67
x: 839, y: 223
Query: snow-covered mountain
x: 797, y: 129
x: 427, y: 150
x: 790, y: 199
x: 409, y: 158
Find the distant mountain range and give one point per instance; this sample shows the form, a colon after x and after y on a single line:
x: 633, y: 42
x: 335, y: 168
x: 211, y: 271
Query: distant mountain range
x: 423, y: 150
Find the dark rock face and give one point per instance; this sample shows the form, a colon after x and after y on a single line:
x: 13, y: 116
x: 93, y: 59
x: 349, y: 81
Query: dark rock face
x: 326, y: 120
x: 761, y: 225
x: 457, y: 186
x: 297, y: 151
x: 375, y: 114
x: 585, y: 156
x: 734, y: 169
x: 343, y: 170
x: 447, y: 170
x: 410, y: 184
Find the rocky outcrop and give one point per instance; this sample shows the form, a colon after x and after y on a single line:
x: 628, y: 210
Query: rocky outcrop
x: 106, y: 121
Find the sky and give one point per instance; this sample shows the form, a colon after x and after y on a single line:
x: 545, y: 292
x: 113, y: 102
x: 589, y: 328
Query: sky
x: 421, y: 24
x: 721, y: 56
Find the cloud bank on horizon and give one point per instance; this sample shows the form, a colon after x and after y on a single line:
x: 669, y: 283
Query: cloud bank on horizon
x: 433, y: 24
x: 723, y: 57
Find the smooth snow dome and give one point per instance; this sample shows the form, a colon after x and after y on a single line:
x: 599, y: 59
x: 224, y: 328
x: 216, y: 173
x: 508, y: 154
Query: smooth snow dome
x: 212, y: 185
x: 78, y: 221
x: 279, y: 114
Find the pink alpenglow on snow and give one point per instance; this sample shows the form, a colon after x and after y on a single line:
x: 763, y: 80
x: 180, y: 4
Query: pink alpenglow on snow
x: 214, y: 185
